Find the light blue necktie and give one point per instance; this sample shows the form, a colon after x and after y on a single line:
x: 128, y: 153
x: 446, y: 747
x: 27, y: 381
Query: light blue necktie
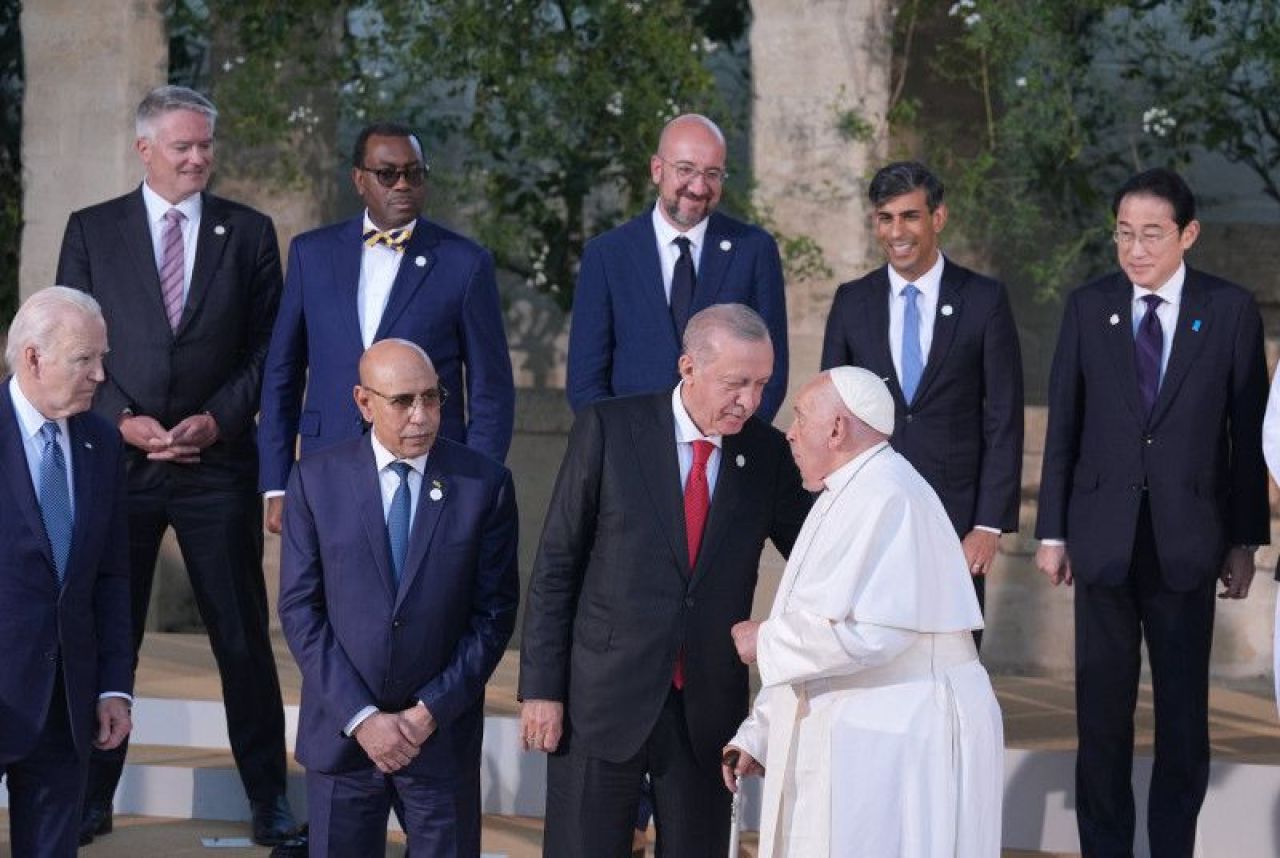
x: 398, y: 519
x: 55, y: 497
x: 912, y: 360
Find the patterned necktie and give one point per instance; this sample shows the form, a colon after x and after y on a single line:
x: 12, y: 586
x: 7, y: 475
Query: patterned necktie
x: 172, y: 266
x: 398, y: 519
x: 395, y: 239
x: 1149, y: 348
x: 697, y: 501
x: 912, y: 359
x: 55, y: 497
x: 683, y: 282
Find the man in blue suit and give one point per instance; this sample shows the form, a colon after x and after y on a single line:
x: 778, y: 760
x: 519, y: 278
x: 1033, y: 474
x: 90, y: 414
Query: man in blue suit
x: 640, y: 282
x: 64, y: 570
x: 388, y: 273
x: 398, y: 592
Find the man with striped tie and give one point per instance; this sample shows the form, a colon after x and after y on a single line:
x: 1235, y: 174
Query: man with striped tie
x: 386, y: 273
x: 189, y: 284
x: 64, y: 575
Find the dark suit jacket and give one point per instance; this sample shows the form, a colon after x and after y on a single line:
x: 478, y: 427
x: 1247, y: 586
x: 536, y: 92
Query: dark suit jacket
x: 213, y: 362
x: 448, y: 305
x: 612, y: 598
x: 86, y: 623
x: 1199, y: 454
x: 359, y: 640
x: 963, y: 432
x: 622, y: 339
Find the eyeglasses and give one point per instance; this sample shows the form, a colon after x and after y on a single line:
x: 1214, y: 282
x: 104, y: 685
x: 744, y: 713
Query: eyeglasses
x: 403, y: 403
x: 389, y: 177
x: 686, y: 171
x: 1146, y: 238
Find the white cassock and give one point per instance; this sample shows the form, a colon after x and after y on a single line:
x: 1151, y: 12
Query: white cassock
x: 1271, y: 449
x: 877, y: 726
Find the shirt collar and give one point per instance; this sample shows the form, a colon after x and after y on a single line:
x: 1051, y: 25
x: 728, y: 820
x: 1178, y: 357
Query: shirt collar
x: 667, y: 233
x: 929, y: 283
x: 686, y: 430
x: 837, y: 479
x: 1170, y: 291
x: 383, y: 457
x: 29, y: 417
x: 157, y: 205
x: 370, y: 225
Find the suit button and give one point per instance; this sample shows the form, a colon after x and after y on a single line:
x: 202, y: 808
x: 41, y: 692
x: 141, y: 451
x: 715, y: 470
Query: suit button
x: 395, y: 624
x: 907, y: 418
x: 688, y: 601
x: 52, y: 655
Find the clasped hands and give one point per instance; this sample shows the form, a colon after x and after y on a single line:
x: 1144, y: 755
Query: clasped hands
x: 393, y: 739
x: 181, y: 444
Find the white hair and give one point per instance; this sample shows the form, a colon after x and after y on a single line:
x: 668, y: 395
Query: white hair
x: 43, y: 315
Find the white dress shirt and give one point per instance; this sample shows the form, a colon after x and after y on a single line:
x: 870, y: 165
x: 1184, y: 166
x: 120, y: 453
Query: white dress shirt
x: 379, y: 266
x: 686, y: 433
x: 929, y: 284
x: 157, y: 207
x: 388, y: 482
x: 669, y: 251
x: 1167, y: 312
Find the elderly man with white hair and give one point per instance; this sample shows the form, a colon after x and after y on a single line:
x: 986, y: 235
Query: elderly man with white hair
x: 876, y: 724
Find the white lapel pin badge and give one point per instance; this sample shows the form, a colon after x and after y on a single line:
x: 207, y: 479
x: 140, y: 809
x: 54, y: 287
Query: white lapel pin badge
x: 741, y: 461
x: 88, y: 446
x: 947, y: 309
x: 437, y: 491
x: 1115, y: 319
x: 726, y: 244
x: 219, y: 230
x: 420, y: 261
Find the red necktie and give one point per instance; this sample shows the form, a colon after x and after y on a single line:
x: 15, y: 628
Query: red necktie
x: 697, y: 500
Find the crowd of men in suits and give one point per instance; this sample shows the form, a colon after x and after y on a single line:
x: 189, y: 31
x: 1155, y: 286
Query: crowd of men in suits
x: 362, y: 405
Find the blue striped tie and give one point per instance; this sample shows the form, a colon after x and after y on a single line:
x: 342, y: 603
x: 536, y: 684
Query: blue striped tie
x: 55, y: 497
x: 912, y: 359
x: 398, y: 519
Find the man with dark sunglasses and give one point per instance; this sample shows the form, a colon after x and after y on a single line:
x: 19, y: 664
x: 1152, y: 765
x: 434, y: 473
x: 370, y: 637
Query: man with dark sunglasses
x: 387, y: 273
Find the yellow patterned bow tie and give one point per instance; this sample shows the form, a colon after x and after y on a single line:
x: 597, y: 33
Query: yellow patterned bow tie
x: 395, y: 239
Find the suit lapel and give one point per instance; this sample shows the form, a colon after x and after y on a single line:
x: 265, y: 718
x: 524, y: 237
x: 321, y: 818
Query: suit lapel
x: 1118, y: 333
x: 365, y: 489
x: 135, y: 234
x: 873, y: 323
x: 945, y: 319
x: 344, y: 275
x: 654, y: 442
x: 426, y: 517
x: 730, y: 486
x: 414, y: 267
x: 211, y: 241
x: 83, y: 458
x: 717, y: 253
x: 1194, y: 318
x: 17, y: 475
x: 651, y: 297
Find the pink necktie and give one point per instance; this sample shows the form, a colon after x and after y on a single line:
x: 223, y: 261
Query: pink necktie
x: 172, y: 266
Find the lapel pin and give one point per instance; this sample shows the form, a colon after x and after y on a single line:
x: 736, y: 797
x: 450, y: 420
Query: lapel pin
x: 947, y: 309
x: 1195, y: 326
x: 420, y: 261
x: 219, y: 230
x: 88, y: 446
x: 726, y: 244
x: 437, y: 490
x: 740, y: 461
x: 1115, y: 319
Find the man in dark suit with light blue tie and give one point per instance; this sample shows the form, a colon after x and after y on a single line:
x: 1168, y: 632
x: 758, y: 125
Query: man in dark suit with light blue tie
x: 388, y: 273
x: 64, y: 571
x: 640, y: 282
x: 1153, y: 487
x: 944, y: 339
x: 398, y: 592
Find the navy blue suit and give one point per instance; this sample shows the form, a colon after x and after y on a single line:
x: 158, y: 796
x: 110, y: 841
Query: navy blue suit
x: 361, y: 641
x: 623, y: 340
x: 62, y: 648
x: 448, y: 305
x: 1148, y: 506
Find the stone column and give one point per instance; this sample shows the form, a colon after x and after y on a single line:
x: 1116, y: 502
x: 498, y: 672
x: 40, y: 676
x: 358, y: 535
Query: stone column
x: 87, y: 67
x: 821, y: 73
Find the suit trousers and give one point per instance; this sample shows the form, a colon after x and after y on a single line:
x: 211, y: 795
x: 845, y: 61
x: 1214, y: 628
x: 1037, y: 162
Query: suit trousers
x: 46, y: 788
x: 348, y: 813
x: 591, y: 802
x: 1111, y: 624
x: 220, y: 535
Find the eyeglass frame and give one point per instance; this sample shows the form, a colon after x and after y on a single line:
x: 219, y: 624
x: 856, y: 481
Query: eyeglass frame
x: 1128, y: 239
x: 415, y: 400
x: 397, y: 173
x: 711, y: 175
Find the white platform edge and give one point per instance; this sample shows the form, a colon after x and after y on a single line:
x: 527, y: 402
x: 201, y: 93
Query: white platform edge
x: 1241, y: 815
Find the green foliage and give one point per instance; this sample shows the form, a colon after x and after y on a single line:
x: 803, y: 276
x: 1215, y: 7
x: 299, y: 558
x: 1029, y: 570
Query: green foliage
x: 10, y: 157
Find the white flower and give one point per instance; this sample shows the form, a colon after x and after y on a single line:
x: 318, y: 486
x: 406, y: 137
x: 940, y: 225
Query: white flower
x: 278, y: 65
x: 1157, y: 122
x: 971, y: 20
x: 635, y: 8
x: 1021, y: 83
x: 709, y: 46
x: 960, y: 7
x: 613, y: 106
x: 227, y: 66
x: 239, y: 61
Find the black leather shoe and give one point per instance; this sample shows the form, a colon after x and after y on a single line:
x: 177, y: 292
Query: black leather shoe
x: 273, y: 822
x: 95, y: 819
x: 294, y: 847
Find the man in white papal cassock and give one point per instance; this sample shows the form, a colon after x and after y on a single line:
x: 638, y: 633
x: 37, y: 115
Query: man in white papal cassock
x: 876, y: 724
